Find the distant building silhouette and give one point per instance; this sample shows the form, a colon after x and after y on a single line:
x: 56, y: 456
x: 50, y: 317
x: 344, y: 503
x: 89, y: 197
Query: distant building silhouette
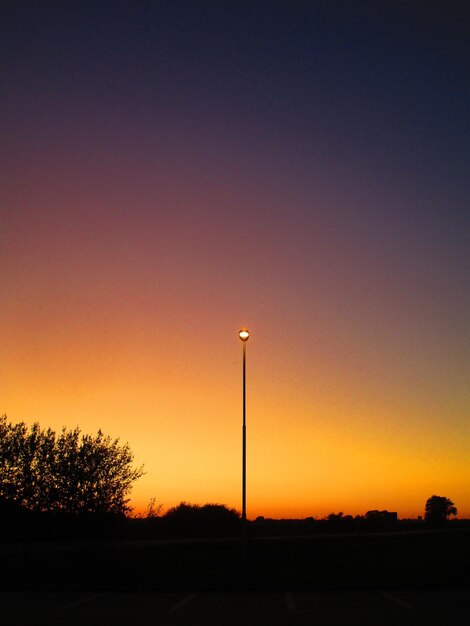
x: 381, y: 519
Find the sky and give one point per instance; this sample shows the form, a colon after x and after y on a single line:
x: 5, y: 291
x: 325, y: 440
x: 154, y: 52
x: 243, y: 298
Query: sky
x: 175, y: 171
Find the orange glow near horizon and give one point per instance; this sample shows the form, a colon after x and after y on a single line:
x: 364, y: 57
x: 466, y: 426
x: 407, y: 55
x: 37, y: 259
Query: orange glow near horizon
x: 311, y: 450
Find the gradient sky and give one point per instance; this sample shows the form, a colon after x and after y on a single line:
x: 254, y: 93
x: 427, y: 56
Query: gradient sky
x: 173, y: 171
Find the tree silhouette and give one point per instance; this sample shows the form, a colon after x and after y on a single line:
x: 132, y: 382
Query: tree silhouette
x: 70, y: 472
x: 438, y: 509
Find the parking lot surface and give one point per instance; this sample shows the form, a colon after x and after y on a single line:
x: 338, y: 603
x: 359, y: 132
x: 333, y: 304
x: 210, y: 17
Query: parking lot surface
x: 439, y: 607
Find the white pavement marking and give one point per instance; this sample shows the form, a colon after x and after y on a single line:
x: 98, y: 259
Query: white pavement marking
x: 78, y: 602
x: 393, y: 598
x: 179, y: 605
x: 289, y: 598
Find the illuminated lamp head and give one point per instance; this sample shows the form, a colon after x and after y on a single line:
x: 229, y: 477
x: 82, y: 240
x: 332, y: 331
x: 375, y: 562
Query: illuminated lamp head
x: 243, y: 334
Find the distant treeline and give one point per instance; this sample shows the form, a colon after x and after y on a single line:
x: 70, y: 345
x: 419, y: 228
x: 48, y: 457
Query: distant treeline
x: 18, y: 523
x: 186, y: 520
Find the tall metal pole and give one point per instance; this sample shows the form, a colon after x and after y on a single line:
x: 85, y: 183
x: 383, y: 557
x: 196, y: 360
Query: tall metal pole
x: 244, y: 335
x: 244, y: 437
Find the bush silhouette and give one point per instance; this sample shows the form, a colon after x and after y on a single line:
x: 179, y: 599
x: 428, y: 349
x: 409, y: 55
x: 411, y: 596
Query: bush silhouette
x: 68, y: 473
x: 209, y: 519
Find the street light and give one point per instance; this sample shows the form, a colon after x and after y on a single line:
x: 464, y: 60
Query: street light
x: 244, y: 335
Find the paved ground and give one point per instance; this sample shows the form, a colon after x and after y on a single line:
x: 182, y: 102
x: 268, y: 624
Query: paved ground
x: 313, y: 608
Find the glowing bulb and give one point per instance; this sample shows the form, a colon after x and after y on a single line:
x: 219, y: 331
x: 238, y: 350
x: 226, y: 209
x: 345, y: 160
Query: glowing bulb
x: 244, y: 334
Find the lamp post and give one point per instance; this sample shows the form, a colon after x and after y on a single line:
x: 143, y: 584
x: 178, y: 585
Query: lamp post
x: 244, y: 335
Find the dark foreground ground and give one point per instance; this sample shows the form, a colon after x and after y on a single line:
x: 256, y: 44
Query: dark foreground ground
x: 387, y: 607
x: 369, y: 561
x: 398, y: 578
